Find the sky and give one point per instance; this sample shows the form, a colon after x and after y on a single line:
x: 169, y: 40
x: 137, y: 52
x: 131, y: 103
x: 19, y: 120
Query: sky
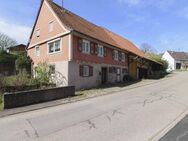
x: 163, y: 24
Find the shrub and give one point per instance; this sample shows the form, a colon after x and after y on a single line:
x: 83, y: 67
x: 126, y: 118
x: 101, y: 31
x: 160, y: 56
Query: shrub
x: 5, y: 57
x: 127, y: 78
x: 23, y: 62
x: 43, y: 74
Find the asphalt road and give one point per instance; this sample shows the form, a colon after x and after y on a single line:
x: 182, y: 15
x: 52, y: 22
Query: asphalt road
x: 137, y: 114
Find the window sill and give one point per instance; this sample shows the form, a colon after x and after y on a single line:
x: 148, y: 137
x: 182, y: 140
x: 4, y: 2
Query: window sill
x: 88, y: 53
x: 53, y: 53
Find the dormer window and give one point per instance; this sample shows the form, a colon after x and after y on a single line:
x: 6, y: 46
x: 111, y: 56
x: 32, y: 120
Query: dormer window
x: 51, y: 26
x: 38, y: 33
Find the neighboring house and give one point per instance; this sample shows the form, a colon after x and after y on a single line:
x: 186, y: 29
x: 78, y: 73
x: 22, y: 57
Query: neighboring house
x: 16, y: 49
x: 176, y: 60
x: 81, y: 53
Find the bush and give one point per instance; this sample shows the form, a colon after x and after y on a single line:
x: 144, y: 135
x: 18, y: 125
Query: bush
x: 23, y: 63
x: 6, y: 57
x: 127, y: 78
x: 43, y: 75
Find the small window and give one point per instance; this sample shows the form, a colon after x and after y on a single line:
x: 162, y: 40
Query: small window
x: 86, y: 46
x: 54, y: 46
x: 85, y: 71
x: 52, y: 69
x: 100, y: 51
x: 38, y: 33
x: 116, y: 55
x: 37, y: 51
x: 123, y: 57
x: 51, y: 26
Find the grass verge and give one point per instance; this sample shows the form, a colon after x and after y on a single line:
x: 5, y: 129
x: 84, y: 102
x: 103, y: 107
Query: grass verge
x: 1, y: 103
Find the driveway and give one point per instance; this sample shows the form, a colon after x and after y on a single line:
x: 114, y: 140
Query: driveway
x: 138, y: 114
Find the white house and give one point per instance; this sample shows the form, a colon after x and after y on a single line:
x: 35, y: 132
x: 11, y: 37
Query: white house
x: 176, y: 60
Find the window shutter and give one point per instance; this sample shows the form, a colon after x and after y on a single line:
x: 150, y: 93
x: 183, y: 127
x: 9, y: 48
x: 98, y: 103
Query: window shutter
x: 79, y: 44
x: 81, y: 70
x: 92, y: 48
x: 105, y: 51
x: 96, y: 49
x: 90, y: 71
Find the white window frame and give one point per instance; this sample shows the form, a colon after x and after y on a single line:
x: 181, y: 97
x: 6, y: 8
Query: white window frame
x: 86, y: 71
x: 100, y: 51
x: 123, y: 57
x: 38, y: 32
x: 60, y: 40
x: 51, y: 26
x: 84, y: 48
x: 116, y: 55
x: 37, y: 52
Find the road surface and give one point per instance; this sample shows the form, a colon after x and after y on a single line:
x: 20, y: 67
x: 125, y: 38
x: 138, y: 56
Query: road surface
x: 133, y: 115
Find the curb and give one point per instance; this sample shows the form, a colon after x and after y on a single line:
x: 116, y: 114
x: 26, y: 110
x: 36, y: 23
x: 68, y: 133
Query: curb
x: 170, y: 126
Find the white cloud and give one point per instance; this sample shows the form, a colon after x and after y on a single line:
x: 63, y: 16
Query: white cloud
x: 18, y: 32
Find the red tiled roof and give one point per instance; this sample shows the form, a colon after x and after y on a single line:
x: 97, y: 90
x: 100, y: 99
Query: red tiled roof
x: 76, y: 23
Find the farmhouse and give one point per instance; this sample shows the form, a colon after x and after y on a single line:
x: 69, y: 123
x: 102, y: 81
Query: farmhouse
x: 176, y: 60
x: 81, y: 53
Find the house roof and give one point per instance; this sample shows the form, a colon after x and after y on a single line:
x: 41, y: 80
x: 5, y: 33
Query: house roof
x: 18, y: 46
x: 179, y: 55
x: 77, y: 23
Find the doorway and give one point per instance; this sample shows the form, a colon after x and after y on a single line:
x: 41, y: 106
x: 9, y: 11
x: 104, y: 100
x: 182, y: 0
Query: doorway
x: 118, y: 74
x: 104, y: 75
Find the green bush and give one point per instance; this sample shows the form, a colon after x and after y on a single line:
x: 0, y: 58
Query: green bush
x: 127, y: 78
x: 23, y: 62
x: 6, y: 57
x: 43, y: 75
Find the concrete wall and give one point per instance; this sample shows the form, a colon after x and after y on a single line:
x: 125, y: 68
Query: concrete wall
x: 12, y: 100
x: 80, y: 82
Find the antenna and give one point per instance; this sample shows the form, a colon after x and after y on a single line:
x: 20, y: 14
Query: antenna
x: 62, y: 4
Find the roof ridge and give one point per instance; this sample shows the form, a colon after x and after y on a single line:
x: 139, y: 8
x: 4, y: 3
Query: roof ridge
x: 70, y: 12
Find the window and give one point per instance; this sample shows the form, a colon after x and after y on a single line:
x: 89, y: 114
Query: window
x: 51, y: 26
x: 86, y: 46
x: 52, y: 69
x: 115, y: 55
x: 54, y: 46
x: 37, y: 51
x: 100, y: 51
x: 38, y: 33
x: 123, y: 57
x: 85, y: 71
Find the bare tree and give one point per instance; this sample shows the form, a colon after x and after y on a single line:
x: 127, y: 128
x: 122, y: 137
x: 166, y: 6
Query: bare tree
x: 6, y: 41
x: 147, y: 48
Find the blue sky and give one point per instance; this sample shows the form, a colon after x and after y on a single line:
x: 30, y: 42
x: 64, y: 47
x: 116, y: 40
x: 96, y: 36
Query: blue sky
x: 163, y: 24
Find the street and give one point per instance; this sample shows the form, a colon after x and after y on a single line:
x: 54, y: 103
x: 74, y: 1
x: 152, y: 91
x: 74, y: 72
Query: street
x: 133, y: 115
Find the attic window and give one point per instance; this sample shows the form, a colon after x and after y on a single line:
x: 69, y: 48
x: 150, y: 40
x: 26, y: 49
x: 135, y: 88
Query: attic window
x: 51, y: 26
x: 38, y: 33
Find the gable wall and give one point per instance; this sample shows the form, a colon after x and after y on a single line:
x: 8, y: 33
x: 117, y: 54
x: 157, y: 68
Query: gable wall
x: 46, y: 16
x: 166, y: 56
